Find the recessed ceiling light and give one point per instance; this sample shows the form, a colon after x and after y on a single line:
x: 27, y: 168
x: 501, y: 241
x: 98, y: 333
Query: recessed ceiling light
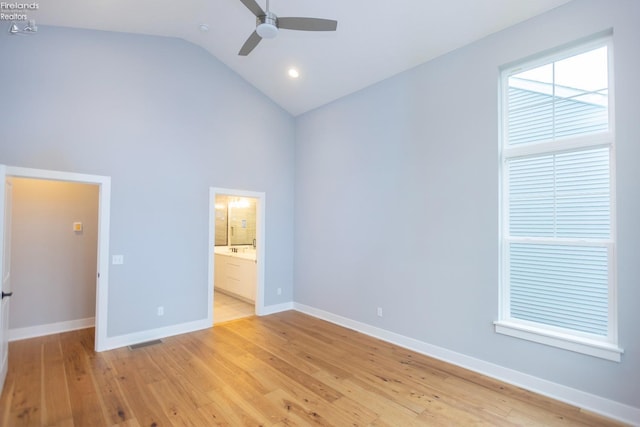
x: 294, y: 73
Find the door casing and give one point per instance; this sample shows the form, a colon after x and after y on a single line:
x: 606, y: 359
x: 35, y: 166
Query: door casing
x: 5, y: 271
x: 104, y: 209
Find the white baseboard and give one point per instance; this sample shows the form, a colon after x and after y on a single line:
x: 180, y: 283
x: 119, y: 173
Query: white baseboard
x: 581, y: 399
x: 17, y: 334
x: 183, y: 328
x: 154, y: 334
x: 276, y: 308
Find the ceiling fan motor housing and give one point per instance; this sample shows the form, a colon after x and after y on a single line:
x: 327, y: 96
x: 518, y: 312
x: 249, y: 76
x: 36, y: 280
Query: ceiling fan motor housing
x: 267, y: 25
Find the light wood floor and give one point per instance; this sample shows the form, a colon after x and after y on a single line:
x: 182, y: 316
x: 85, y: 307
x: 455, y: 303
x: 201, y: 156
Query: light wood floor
x: 226, y: 307
x: 280, y: 370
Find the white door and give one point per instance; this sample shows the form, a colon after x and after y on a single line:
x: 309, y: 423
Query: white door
x: 5, y: 270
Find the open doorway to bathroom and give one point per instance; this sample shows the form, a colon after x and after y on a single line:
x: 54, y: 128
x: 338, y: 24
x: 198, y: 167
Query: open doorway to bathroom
x: 237, y: 253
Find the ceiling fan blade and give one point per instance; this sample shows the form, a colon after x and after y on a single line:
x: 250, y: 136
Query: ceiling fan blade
x: 253, y: 7
x: 307, y: 24
x: 250, y: 44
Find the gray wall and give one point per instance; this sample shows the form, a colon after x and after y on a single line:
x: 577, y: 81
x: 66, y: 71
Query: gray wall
x: 53, y: 268
x: 166, y: 121
x: 420, y: 151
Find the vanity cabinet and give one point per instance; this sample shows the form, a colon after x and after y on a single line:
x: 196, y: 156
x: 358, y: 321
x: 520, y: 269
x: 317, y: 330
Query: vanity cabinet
x: 236, y: 276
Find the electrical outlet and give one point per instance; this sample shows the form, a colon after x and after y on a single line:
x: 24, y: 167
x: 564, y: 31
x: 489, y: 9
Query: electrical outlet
x: 279, y: 291
x: 160, y: 311
x: 117, y: 259
x: 379, y: 311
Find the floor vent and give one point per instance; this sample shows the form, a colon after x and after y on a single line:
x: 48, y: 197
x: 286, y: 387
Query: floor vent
x: 144, y: 344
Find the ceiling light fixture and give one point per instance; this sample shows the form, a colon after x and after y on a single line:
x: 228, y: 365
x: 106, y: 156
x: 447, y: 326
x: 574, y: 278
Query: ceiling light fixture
x: 267, y: 26
x: 294, y: 73
x: 204, y: 28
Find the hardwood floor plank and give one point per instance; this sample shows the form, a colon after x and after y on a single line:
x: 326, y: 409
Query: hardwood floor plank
x: 84, y: 403
x: 286, y: 369
x: 292, y: 371
x: 247, y: 412
x: 177, y: 363
x: 224, y: 369
x: 56, y: 406
x: 25, y: 400
x: 177, y: 403
x: 112, y: 401
x: 216, y: 416
x: 5, y: 401
x: 387, y: 411
x: 300, y: 398
x: 266, y: 340
x: 147, y: 409
x: 299, y: 412
x: 329, y: 358
x: 131, y: 422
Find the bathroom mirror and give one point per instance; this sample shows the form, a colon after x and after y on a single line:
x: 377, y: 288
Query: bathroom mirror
x: 235, y: 220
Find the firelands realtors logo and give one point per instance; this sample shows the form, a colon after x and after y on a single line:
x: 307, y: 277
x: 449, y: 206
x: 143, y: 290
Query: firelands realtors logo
x: 16, y: 11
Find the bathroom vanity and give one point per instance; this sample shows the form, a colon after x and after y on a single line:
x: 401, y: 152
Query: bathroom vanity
x: 235, y: 272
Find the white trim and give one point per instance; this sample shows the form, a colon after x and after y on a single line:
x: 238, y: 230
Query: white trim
x: 260, y: 244
x: 592, y: 347
x: 183, y: 328
x: 613, y: 160
x: 4, y: 324
x: 104, y: 212
x: 50, y: 328
x: 171, y: 330
x: 154, y: 334
x: 560, y: 145
x: 559, y: 53
x: 581, y: 399
x: 54, y: 175
x: 277, y: 308
x: 539, y: 333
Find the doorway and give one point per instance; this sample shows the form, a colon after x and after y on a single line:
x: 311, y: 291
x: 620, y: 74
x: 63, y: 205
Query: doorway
x: 54, y: 243
x: 236, y: 254
x: 104, y: 193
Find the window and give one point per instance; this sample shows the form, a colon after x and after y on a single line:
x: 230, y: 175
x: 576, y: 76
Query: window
x: 558, y: 221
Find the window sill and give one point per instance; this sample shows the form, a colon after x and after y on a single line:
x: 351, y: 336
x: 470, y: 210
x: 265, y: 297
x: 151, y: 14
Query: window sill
x: 582, y: 345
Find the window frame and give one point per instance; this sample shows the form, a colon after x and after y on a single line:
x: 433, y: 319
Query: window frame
x: 594, y: 345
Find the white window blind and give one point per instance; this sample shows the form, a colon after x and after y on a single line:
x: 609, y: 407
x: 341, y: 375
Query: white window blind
x: 557, y: 275
x: 560, y: 195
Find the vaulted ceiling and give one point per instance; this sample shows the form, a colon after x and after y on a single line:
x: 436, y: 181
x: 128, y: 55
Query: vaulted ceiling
x: 374, y: 39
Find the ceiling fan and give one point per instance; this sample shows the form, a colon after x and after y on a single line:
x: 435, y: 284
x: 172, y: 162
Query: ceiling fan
x: 268, y: 24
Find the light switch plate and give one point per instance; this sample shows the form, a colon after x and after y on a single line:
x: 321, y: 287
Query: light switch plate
x: 117, y: 259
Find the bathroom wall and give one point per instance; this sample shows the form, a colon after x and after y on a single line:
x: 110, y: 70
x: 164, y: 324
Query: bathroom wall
x: 236, y: 219
x: 222, y: 224
x: 242, y: 220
